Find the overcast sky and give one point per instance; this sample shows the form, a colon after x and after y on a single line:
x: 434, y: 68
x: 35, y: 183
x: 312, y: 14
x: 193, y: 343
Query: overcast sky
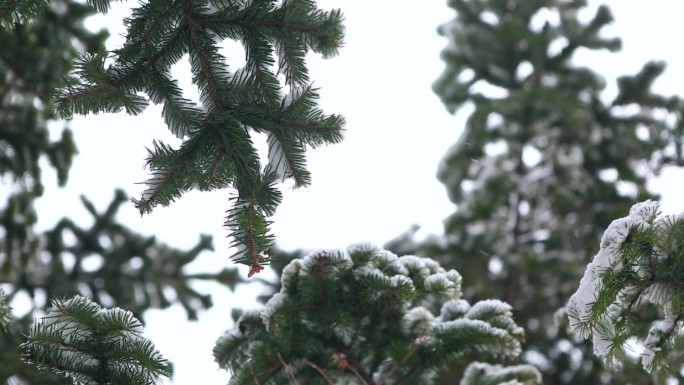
x: 370, y: 188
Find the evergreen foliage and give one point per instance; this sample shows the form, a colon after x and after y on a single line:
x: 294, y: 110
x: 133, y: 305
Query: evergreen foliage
x: 366, y: 316
x: 543, y: 166
x: 545, y: 162
x: 94, y: 346
x: 106, y: 261
x: 633, y: 288
x: 217, y: 149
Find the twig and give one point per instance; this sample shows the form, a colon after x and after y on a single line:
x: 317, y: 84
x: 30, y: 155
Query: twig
x: 344, y: 364
x: 405, y: 376
x: 251, y: 370
x: 417, y: 343
x: 319, y: 370
x: 287, y: 368
x: 357, y: 374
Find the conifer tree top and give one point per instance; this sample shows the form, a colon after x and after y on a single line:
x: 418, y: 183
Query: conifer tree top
x: 367, y: 316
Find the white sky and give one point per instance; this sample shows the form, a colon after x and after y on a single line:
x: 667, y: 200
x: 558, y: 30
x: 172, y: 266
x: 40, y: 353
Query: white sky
x: 370, y: 188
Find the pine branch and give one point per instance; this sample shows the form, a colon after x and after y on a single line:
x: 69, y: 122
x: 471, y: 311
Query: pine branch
x: 286, y: 159
x: 81, y: 341
x: 634, y: 266
x: 247, y: 219
x: 259, y: 63
x: 168, y: 181
x: 179, y: 114
x: 217, y: 149
x: 103, y: 90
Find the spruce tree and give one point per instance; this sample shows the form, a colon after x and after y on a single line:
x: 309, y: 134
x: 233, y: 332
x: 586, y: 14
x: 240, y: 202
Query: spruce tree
x: 366, y: 316
x: 543, y: 165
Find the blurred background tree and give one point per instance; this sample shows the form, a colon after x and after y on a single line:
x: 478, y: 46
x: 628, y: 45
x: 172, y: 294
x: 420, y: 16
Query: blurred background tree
x: 543, y: 166
x: 107, y: 261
